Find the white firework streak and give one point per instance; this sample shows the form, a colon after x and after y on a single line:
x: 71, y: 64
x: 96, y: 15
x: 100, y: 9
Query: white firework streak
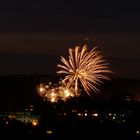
x: 86, y: 67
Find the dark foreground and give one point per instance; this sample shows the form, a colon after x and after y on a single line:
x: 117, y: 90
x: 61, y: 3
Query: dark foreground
x: 73, y: 129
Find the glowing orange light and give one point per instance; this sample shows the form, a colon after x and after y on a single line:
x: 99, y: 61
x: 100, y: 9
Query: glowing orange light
x: 34, y: 122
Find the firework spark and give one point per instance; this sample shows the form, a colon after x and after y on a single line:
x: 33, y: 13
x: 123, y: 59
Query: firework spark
x: 86, y: 67
x: 55, y: 93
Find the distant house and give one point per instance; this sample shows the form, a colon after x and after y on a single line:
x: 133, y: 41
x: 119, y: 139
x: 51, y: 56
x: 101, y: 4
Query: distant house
x: 25, y: 117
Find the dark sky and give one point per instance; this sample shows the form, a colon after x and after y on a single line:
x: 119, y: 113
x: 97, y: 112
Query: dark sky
x: 35, y: 33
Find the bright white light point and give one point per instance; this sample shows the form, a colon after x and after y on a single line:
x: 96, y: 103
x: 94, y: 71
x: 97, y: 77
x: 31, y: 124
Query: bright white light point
x: 41, y: 89
x: 109, y: 114
x: 47, y: 86
x: 53, y: 99
x: 95, y: 114
x: 79, y: 114
x: 49, y: 131
x: 114, y: 118
x: 67, y: 93
x: 52, y: 94
x: 137, y: 132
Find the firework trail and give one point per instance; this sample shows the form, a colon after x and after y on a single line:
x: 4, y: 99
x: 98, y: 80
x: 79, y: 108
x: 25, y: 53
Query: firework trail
x: 83, y: 66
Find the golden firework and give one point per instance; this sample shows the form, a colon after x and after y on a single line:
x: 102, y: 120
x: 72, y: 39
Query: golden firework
x: 55, y: 93
x: 85, y: 67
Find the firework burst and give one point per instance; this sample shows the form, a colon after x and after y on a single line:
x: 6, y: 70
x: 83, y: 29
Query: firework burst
x: 86, y: 67
x: 55, y: 93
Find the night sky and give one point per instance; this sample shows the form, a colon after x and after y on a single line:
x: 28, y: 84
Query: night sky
x: 35, y: 33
